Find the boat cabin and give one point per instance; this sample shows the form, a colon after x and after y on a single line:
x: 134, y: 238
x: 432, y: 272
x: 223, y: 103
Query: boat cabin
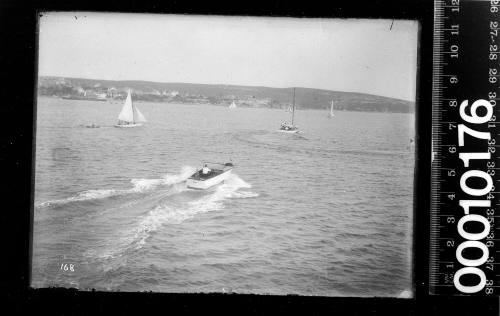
x: 286, y: 127
x: 215, y: 170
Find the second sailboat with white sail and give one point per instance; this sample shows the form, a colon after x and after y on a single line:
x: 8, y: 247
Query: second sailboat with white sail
x: 331, y: 114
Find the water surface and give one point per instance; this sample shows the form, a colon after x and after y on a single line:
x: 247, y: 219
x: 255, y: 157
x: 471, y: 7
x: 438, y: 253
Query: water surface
x: 326, y: 212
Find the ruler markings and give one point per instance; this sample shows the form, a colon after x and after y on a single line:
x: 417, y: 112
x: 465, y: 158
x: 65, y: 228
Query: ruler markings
x: 446, y: 65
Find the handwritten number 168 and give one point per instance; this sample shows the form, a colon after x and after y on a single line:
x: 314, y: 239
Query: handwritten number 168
x: 68, y: 267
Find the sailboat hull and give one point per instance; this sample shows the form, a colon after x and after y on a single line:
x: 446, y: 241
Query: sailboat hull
x: 289, y: 132
x: 128, y: 125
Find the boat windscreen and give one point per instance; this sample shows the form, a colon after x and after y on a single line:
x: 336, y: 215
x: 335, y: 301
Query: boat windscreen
x: 214, y: 165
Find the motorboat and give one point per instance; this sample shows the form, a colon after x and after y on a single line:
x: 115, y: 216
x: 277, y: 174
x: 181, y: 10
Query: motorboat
x: 209, y: 175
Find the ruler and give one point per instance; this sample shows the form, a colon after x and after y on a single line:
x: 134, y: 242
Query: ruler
x: 464, y: 256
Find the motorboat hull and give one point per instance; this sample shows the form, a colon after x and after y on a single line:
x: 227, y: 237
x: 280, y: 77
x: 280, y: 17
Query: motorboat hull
x: 203, y: 184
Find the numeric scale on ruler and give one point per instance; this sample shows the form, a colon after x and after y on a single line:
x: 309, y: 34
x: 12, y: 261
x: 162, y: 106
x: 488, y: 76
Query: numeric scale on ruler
x: 464, y: 256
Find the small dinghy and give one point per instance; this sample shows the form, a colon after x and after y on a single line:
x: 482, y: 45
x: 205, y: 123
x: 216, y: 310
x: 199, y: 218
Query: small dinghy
x: 211, y: 174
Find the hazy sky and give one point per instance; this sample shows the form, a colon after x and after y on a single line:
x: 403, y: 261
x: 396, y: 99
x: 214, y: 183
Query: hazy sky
x: 334, y: 54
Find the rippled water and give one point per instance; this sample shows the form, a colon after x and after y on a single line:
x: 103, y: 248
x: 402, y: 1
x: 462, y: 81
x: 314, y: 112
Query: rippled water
x: 327, y: 212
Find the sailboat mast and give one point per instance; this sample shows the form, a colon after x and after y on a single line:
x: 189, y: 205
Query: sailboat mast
x: 133, y: 109
x: 293, y: 109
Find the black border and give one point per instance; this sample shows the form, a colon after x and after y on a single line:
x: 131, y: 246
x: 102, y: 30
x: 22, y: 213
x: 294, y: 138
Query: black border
x: 18, y: 53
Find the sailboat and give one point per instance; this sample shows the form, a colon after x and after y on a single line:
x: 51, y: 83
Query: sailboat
x: 290, y: 128
x: 331, y: 111
x: 130, y: 116
x: 233, y: 105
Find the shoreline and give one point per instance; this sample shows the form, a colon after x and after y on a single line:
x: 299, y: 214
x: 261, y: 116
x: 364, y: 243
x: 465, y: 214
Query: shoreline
x: 120, y: 101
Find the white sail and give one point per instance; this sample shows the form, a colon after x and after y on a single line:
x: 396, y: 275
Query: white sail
x: 233, y: 105
x: 139, y: 117
x: 127, y: 113
x: 331, y: 110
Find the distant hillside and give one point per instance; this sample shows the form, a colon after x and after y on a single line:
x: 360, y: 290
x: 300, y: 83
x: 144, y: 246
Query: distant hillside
x: 245, y: 96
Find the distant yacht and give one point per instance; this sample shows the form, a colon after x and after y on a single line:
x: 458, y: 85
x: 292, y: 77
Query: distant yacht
x: 130, y: 116
x: 290, y: 128
x: 233, y: 105
x: 331, y: 111
x: 289, y: 109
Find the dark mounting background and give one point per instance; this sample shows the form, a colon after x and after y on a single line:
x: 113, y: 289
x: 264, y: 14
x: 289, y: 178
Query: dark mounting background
x: 18, y: 54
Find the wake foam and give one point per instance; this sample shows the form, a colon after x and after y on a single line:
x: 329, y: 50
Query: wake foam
x: 83, y: 196
x: 168, y: 214
x: 143, y: 185
x: 139, y: 186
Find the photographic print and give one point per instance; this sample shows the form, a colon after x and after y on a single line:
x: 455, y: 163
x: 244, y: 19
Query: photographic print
x: 227, y: 154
